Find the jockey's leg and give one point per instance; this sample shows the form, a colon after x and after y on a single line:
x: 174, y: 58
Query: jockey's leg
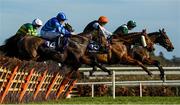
x: 58, y: 41
x: 61, y: 43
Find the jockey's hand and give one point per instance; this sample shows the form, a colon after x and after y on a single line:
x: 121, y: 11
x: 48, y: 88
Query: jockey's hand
x: 68, y: 26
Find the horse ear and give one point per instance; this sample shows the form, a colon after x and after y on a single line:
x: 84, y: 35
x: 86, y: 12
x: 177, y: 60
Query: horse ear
x: 144, y: 30
x: 163, y: 30
x: 160, y: 30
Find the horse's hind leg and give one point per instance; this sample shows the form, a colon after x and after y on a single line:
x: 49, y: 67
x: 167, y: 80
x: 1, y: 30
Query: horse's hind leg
x: 130, y: 60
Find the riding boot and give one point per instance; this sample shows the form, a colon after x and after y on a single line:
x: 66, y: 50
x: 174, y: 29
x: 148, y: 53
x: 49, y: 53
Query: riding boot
x: 64, y: 43
x: 59, y: 43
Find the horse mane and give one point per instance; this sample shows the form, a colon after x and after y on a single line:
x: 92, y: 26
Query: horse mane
x: 87, y: 34
x: 129, y: 35
x: 79, y: 39
x: 153, y: 33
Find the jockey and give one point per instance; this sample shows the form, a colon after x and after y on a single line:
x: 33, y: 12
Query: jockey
x: 123, y: 29
x: 98, y: 24
x: 30, y: 28
x: 54, y: 29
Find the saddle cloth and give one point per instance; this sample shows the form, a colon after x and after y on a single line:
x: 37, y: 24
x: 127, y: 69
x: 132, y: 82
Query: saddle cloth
x: 57, y: 44
x: 96, y: 47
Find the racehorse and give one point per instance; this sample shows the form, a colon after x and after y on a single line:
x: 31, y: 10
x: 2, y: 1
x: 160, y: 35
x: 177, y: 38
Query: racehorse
x: 118, y: 52
x: 142, y: 54
x: 31, y: 48
x: 12, y: 45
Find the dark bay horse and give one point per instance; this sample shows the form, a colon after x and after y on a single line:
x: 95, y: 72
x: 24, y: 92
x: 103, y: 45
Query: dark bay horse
x: 118, y: 52
x: 31, y: 48
x: 142, y: 54
x: 12, y: 45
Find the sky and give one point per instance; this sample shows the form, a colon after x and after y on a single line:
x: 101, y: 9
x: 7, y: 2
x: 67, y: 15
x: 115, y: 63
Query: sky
x: 150, y: 14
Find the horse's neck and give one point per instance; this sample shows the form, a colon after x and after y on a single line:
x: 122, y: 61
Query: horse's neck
x: 130, y: 38
x: 154, y: 36
x: 82, y: 39
x: 94, y: 35
x: 85, y: 34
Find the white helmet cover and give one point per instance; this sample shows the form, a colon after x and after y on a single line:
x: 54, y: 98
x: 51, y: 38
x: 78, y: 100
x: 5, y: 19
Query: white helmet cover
x: 37, y: 22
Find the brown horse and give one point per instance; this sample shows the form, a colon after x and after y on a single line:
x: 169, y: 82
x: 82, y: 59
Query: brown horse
x: 142, y: 54
x: 118, y: 52
x: 13, y: 46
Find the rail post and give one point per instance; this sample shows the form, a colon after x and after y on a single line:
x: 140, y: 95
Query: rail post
x: 113, y: 85
x: 140, y: 89
x: 92, y: 94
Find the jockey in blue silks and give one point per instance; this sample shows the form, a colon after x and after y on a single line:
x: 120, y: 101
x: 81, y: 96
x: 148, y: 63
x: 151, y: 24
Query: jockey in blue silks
x: 54, y: 29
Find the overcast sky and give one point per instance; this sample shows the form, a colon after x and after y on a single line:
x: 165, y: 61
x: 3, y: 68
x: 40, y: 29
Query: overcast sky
x: 149, y: 14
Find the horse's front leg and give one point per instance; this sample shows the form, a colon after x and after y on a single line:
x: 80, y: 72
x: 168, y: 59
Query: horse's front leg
x: 130, y: 60
x: 157, y: 64
x: 103, y: 68
x: 93, y: 70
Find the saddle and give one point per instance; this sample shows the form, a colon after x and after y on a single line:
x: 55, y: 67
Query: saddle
x: 95, y: 47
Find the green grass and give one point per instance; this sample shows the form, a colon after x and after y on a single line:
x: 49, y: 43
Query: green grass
x: 118, y: 100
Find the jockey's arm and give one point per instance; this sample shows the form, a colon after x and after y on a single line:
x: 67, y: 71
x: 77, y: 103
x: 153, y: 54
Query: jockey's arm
x: 124, y: 29
x: 32, y: 32
x: 62, y: 30
x: 104, y: 31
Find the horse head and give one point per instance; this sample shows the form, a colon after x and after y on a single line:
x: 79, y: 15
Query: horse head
x: 165, y: 41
